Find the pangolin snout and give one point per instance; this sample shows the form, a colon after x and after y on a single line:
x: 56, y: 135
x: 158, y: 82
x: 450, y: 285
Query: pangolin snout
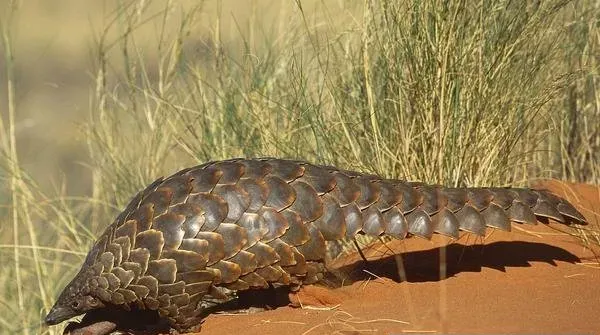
x: 58, y: 314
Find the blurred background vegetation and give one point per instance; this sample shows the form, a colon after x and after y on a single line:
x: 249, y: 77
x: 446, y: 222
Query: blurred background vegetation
x: 99, y: 98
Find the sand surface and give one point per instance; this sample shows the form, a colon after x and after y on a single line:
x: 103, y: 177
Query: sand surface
x: 536, y: 281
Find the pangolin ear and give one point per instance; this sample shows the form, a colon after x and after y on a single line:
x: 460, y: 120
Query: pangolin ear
x: 93, y: 302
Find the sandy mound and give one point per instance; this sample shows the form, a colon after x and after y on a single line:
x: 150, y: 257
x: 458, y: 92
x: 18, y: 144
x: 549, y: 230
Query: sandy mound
x: 537, y: 281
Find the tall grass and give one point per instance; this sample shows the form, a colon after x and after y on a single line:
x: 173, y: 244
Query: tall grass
x: 457, y: 93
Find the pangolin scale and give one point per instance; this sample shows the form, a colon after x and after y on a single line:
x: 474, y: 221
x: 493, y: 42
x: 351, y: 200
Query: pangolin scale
x: 194, y: 239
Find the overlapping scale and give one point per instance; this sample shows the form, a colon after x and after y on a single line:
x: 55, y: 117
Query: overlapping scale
x: 419, y: 223
x: 471, y: 220
x: 446, y: 223
x: 520, y: 212
x: 322, y: 180
x: 258, y: 193
x: 204, y: 180
x: 255, y: 169
x: 373, y: 222
x: 281, y: 194
x: 237, y: 199
x: 285, y: 169
x: 332, y: 223
x: 232, y: 171
x: 369, y: 192
x: 495, y: 217
x: 307, y: 204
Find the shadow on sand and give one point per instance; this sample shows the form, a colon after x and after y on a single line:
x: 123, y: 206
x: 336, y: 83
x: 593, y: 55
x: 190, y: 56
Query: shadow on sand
x: 424, y: 265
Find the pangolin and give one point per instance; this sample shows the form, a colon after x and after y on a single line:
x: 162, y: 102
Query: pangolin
x: 195, y: 238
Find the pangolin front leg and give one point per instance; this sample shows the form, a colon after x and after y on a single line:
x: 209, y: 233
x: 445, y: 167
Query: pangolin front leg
x: 189, y: 242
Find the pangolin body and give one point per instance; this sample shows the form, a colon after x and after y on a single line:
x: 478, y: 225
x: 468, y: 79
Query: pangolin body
x: 195, y: 238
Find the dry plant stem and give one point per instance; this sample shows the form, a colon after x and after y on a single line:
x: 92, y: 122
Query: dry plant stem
x: 359, y: 249
x: 10, y: 150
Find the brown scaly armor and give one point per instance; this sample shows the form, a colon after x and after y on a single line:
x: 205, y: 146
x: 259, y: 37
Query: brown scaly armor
x: 192, y: 240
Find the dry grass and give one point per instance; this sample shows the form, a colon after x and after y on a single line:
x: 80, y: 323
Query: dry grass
x: 470, y: 93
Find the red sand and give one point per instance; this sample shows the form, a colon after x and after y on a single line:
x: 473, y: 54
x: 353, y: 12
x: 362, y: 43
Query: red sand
x: 518, y: 282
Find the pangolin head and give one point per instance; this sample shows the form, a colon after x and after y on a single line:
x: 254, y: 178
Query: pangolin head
x: 74, y: 300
